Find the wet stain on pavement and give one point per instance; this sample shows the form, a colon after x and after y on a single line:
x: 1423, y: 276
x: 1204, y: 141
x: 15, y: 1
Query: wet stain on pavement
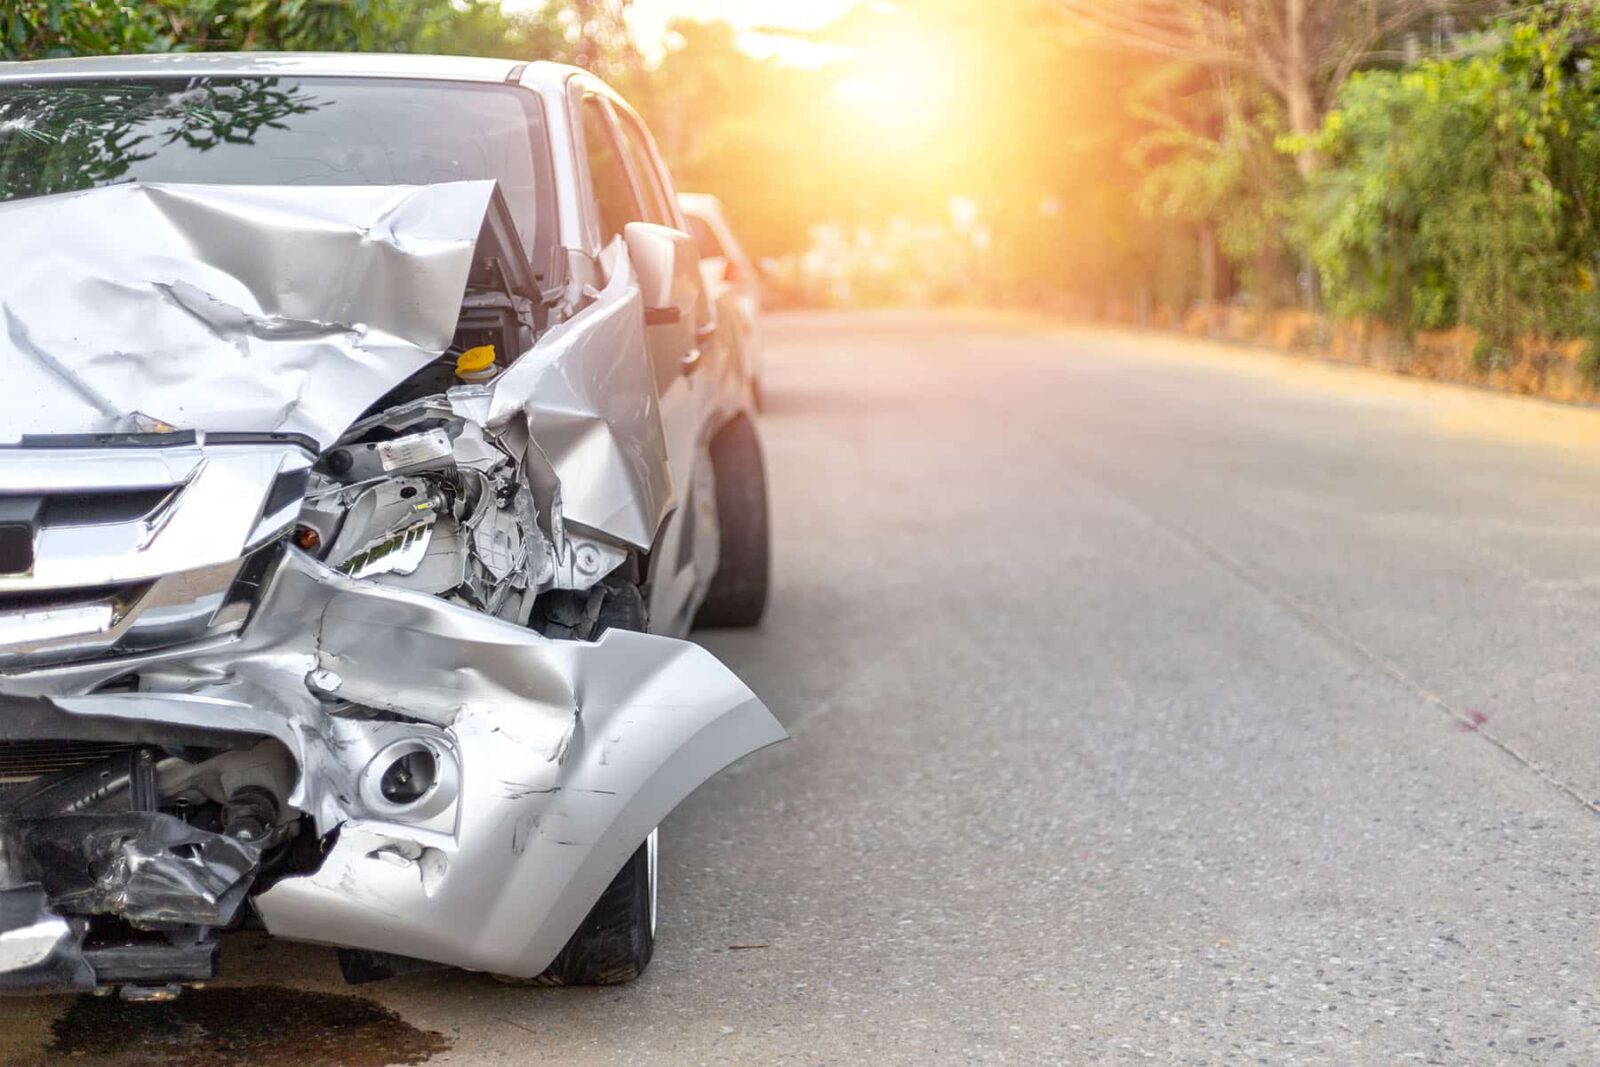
x: 241, y: 1026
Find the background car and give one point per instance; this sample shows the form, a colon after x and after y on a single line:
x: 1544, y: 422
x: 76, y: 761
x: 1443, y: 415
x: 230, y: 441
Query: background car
x: 731, y: 277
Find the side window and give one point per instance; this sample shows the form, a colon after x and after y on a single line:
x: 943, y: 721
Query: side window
x: 612, y: 193
x: 653, y: 185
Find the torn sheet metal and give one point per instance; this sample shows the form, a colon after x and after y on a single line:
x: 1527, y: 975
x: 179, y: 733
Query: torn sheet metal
x: 582, y: 404
x: 145, y: 867
x: 561, y: 756
x: 226, y: 308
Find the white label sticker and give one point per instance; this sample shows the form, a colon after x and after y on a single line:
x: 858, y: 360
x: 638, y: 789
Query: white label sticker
x: 414, y: 450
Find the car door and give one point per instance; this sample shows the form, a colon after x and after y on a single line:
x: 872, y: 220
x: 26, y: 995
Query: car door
x: 628, y: 188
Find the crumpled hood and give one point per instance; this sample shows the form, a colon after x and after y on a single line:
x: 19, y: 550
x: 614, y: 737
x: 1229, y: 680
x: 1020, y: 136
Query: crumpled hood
x: 226, y: 308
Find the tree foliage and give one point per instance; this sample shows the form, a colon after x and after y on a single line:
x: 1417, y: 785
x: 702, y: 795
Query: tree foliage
x: 1209, y: 159
x: 587, y: 32
x: 1298, y: 51
x: 1463, y: 191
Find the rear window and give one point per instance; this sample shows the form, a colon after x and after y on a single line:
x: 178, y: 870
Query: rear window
x: 63, y: 136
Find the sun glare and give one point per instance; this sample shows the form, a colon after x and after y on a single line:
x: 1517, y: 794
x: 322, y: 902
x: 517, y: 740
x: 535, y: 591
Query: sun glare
x: 903, y: 85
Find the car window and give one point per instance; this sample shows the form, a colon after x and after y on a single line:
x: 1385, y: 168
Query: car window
x: 612, y: 192
x: 705, y: 238
x: 64, y: 136
x: 654, y: 185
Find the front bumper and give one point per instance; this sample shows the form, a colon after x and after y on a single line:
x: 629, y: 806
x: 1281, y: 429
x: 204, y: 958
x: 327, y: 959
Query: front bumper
x: 551, y: 761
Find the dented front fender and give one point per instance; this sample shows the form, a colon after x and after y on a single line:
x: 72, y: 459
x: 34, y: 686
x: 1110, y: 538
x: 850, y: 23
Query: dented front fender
x: 539, y: 833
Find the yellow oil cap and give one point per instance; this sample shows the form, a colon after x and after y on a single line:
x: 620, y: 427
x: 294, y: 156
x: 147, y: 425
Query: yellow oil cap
x: 475, y: 361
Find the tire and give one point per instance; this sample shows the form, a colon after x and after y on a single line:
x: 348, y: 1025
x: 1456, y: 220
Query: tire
x: 737, y: 596
x: 614, y: 603
x: 618, y: 937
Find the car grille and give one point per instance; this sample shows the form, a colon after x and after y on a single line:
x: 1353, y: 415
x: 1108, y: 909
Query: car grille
x: 52, y: 626
x: 24, y: 761
x: 125, y: 544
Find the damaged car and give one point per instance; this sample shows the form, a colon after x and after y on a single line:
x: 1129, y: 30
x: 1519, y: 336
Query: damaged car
x: 369, y: 447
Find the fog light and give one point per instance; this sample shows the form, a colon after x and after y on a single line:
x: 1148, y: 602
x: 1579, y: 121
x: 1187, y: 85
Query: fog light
x: 414, y: 779
x: 409, y: 778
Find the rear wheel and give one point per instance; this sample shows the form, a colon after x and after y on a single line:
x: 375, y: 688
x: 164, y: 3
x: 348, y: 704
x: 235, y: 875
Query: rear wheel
x: 738, y: 592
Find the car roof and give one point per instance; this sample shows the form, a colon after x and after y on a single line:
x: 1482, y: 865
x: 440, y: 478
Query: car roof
x: 307, y: 64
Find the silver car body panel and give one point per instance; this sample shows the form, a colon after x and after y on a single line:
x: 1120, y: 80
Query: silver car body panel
x: 593, y: 417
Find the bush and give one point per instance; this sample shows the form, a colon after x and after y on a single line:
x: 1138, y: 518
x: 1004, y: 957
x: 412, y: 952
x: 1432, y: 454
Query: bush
x: 1460, y: 191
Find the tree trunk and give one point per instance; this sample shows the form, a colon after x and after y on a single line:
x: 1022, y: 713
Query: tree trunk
x: 1299, y: 95
x: 1209, y: 278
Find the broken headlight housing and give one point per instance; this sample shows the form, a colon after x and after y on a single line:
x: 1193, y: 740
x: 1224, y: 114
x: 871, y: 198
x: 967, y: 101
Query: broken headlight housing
x: 417, y: 497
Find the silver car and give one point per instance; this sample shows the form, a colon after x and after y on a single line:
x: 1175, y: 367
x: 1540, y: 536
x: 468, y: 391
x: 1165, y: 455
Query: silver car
x: 369, y: 445
x: 731, y: 278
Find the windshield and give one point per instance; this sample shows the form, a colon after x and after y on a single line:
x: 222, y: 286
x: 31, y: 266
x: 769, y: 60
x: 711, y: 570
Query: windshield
x: 63, y: 136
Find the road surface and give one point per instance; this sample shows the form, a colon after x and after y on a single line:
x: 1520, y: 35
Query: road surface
x: 1152, y: 702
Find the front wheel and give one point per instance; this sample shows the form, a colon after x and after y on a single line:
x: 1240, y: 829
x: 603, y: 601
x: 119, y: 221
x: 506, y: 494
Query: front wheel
x: 618, y: 937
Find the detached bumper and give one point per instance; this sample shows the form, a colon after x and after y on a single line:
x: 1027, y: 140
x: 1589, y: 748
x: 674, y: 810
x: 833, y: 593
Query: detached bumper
x: 543, y: 764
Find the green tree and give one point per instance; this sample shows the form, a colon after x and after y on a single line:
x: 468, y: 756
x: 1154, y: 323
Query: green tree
x: 1299, y: 51
x: 1463, y: 191
x: 51, y: 29
x: 589, y: 32
x: 1209, y: 160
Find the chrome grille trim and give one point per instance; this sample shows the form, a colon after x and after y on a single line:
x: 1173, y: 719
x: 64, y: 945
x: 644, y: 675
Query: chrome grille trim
x: 40, y: 629
x: 156, y: 510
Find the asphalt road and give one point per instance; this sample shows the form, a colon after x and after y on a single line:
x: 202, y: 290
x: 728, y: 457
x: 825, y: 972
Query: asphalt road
x: 1152, y: 702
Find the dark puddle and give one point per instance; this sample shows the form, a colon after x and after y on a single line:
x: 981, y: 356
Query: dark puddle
x: 246, y: 1025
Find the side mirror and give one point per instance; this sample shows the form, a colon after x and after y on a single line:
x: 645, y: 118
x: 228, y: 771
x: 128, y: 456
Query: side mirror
x: 665, y: 263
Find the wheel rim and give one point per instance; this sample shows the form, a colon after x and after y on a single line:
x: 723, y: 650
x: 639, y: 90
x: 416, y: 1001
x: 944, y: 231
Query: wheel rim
x: 652, y: 847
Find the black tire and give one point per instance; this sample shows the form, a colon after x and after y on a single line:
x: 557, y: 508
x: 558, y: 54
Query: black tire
x: 614, y: 603
x: 618, y: 937
x: 738, y: 592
